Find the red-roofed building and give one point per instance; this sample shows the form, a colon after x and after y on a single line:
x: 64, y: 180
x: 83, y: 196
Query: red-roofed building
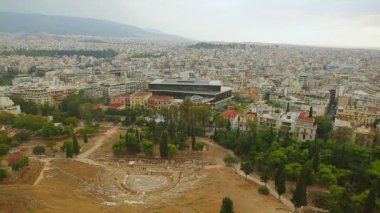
x: 244, y: 119
x: 117, y: 105
x: 304, y: 117
x: 159, y: 102
x: 121, y: 98
x: 233, y: 116
x: 305, y: 128
x: 100, y: 106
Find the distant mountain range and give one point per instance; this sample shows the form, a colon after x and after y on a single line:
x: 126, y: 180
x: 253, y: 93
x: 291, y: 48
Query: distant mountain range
x: 62, y: 25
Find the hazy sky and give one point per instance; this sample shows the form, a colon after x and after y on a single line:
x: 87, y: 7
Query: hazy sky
x: 314, y: 22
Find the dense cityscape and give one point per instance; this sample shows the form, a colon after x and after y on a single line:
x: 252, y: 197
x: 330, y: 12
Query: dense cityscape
x: 99, y: 116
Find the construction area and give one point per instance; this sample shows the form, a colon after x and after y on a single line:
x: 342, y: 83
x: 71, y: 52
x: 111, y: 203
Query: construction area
x: 95, y: 181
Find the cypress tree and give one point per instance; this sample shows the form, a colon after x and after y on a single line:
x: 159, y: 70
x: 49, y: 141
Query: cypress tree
x: 311, y: 112
x: 288, y: 108
x: 265, y: 175
x: 280, y: 181
x: 76, y: 147
x: 227, y: 206
x: 228, y: 127
x: 192, y: 137
x: 164, y: 145
x: 85, y: 138
x: 299, y: 196
x: 69, y: 150
x: 370, y: 203
x: 315, y: 159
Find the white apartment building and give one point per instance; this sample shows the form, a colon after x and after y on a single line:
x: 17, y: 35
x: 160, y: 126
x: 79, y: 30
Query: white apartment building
x: 37, y: 95
x: 113, y: 88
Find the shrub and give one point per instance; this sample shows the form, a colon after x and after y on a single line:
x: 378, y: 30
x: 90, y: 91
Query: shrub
x: 4, y: 149
x: 198, y: 146
x: 141, y: 121
x: 147, y: 147
x: 117, y: 147
x: 39, y: 150
x: 14, y: 157
x: 263, y: 190
x: 22, y: 136
x: 230, y: 160
x: 17, y: 165
x: 3, y: 173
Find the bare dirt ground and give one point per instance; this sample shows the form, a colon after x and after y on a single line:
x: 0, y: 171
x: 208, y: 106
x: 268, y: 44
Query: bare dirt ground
x: 195, y: 184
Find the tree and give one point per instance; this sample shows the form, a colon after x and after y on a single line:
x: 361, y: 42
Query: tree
x: 293, y: 170
x: 311, y: 112
x: 71, y: 106
x: 132, y: 143
x: 299, y: 196
x: 247, y: 168
x: 227, y: 206
x: 117, y: 147
x: 68, y: 149
x: 4, y: 149
x: 376, y: 122
x: 3, y: 173
x: 192, y: 137
x: 85, y: 137
x: 265, y: 175
x: 147, y: 147
x: 76, y: 147
x: 288, y: 108
x: 370, y: 203
x: 220, y: 122
x: 324, y: 125
x: 325, y: 176
x: 140, y: 121
x: 7, y: 118
x: 164, y: 145
x: 73, y: 121
x: 342, y: 135
x: 280, y: 181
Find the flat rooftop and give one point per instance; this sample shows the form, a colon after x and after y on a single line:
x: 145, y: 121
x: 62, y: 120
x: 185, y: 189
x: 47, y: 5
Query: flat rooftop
x: 187, y: 82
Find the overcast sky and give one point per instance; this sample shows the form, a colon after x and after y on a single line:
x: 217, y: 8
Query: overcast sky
x: 314, y: 22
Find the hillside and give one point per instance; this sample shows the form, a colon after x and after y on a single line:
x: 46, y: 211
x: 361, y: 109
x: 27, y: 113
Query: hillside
x: 61, y: 25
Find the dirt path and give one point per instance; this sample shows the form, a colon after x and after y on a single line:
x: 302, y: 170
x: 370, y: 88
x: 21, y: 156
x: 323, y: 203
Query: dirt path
x: 98, y: 143
x: 46, y: 167
x: 83, y: 157
x: 220, y: 163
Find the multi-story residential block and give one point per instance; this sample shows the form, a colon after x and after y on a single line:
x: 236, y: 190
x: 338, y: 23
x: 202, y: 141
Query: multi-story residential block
x: 121, y: 98
x: 244, y: 119
x: 93, y: 91
x: 359, y: 116
x: 268, y: 119
x: 113, y: 88
x: 232, y: 116
x: 159, y: 102
x: 139, y: 99
x: 305, y: 129
x: 364, y: 136
x: 38, y: 95
x: 58, y: 94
